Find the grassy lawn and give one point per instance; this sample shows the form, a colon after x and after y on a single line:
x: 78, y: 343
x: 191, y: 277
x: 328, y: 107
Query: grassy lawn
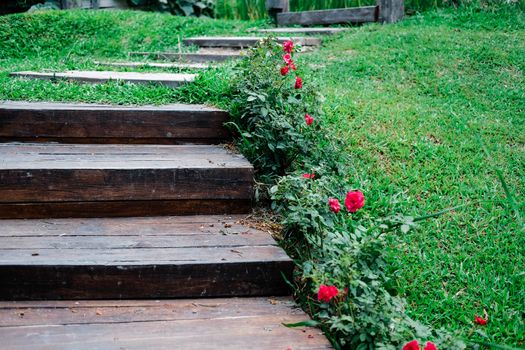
x: 432, y: 109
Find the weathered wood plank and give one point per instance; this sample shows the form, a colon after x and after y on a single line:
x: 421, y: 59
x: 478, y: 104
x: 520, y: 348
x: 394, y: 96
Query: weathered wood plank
x: 97, y: 77
x: 244, y: 42
x: 303, y: 31
x: 84, y: 270
x: 189, y: 57
x: 138, y: 257
x: 85, y: 123
x: 81, y: 255
x: 44, y: 178
x: 277, y: 6
x: 337, y: 16
x: 155, y: 65
x: 70, y: 4
x: 42, y: 210
x: 127, y: 227
x: 391, y: 11
x: 189, y: 324
x: 35, y: 313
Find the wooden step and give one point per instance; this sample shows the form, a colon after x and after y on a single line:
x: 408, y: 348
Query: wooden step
x: 88, y: 123
x: 120, y: 258
x: 363, y: 14
x: 97, y: 77
x: 154, y: 65
x: 65, y: 180
x: 202, y: 324
x: 247, y: 41
x: 190, y: 57
x: 303, y: 31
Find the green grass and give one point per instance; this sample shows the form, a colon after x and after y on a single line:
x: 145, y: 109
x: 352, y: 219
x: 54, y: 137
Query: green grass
x: 417, y: 103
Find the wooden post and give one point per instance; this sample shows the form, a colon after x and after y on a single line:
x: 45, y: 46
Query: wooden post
x: 277, y: 6
x: 391, y: 11
x: 71, y: 4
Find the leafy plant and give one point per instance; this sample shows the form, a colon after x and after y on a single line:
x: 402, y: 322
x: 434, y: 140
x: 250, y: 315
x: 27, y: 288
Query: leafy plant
x: 180, y: 7
x: 281, y: 130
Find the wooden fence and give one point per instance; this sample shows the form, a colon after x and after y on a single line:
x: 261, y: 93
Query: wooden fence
x: 385, y: 11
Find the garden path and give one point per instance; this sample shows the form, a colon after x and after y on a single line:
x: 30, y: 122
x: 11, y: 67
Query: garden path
x: 128, y: 227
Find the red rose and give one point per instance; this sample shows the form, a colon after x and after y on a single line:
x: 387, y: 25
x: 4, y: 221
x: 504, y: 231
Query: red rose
x: 309, y: 176
x: 292, y: 65
x: 430, y: 346
x: 288, y: 46
x: 287, y: 59
x: 326, y: 293
x: 308, y: 119
x: 354, y: 200
x: 298, y: 82
x: 334, y: 205
x: 413, y: 345
x: 284, y: 70
x: 480, y: 320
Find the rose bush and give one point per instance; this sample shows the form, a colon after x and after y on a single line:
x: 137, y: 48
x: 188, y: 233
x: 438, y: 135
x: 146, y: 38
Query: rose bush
x: 272, y: 113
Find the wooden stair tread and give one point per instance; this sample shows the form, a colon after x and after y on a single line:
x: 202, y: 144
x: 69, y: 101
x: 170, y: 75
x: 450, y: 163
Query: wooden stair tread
x: 93, y: 123
x: 62, y: 180
x: 306, y: 31
x: 168, y: 79
x: 362, y: 14
x: 190, y: 57
x: 14, y: 156
x: 154, y: 65
x: 201, y: 324
x: 134, y: 257
x: 247, y: 41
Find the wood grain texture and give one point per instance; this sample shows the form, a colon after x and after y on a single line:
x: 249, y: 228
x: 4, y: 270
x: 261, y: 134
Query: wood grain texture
x: 43, y: 178
x: 391, y: 11
x: 98, y: 77
x: 303, y: 31
x: 85, y: 123
x: 41, y: 210
x: 138, y: 257
x: 337, y: 16
x: 154, y: 65
x: 243, y: 42
x: 232, y: 323
x: 189, y: 57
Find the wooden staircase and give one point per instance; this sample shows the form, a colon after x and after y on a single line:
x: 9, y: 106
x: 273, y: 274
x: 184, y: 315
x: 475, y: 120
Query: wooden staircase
x: 106, y: 210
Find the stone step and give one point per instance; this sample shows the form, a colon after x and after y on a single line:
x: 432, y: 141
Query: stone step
x: 154, y: 65
x: 303, y: 31
x: 140, y: 257
x: 39, y: 180
x: 97, y: 77
x: 243, y: 42
x: 190, y: 57
x: 191, y: 324
x: 90, y: 123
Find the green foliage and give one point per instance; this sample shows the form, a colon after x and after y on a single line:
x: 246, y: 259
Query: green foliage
x: 337, y: 249
x: 180, y: 7
x: 270, y: 112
